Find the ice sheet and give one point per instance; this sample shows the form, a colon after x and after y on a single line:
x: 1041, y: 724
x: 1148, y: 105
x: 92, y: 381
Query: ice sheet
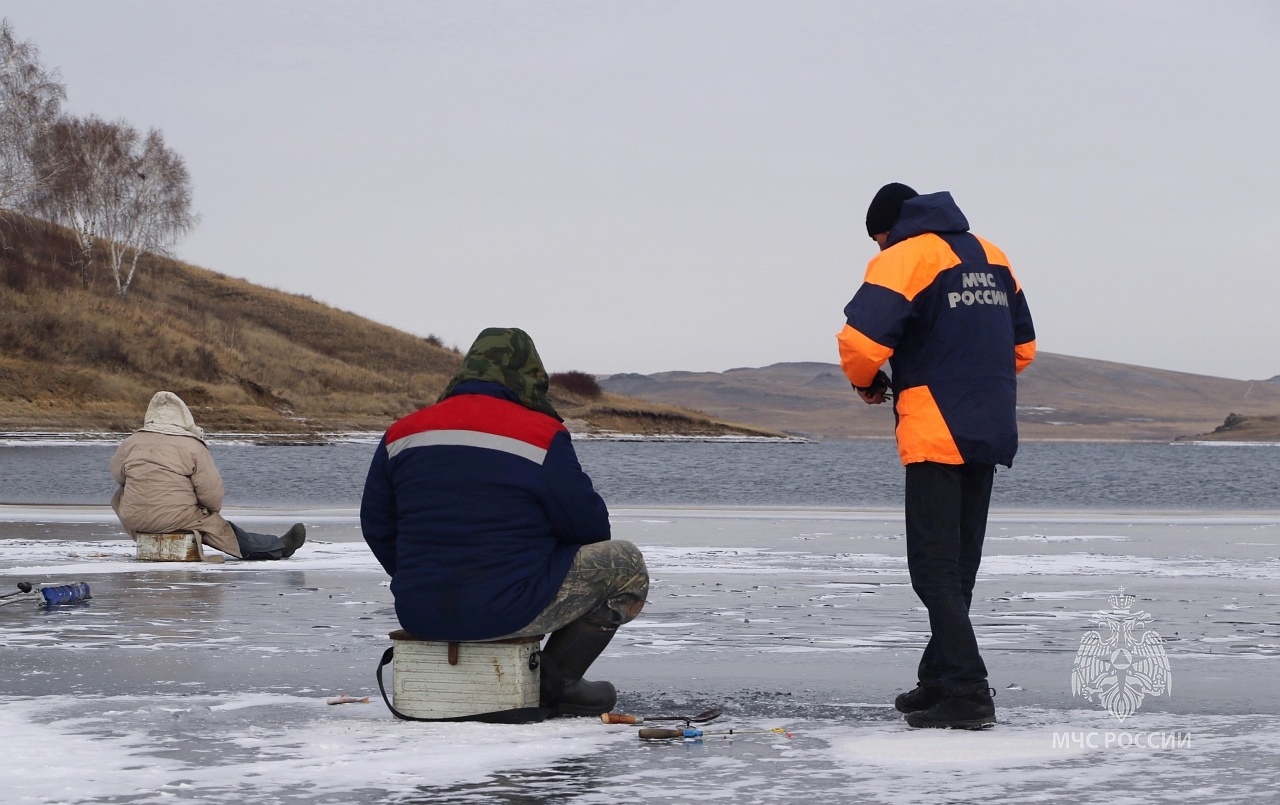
x: 207, y: 682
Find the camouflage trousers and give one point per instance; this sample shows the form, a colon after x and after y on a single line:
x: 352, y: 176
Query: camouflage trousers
x: 607, y: 586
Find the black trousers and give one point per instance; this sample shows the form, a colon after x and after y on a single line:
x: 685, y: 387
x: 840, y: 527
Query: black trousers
x: 946, y: 522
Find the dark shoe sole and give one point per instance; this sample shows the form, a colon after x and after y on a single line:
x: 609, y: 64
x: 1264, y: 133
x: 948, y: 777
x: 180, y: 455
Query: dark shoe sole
x: 959, y: 724
x: 570, y: 710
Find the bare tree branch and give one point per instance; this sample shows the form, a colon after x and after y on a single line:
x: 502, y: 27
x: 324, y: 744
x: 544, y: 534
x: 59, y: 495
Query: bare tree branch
x: 85, y: 157
x: 118, y: 191
x: 160, y: 211
x: 30, y: 100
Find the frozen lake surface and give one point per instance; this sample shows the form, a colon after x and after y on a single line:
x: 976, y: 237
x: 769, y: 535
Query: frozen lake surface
x: 208, y: 683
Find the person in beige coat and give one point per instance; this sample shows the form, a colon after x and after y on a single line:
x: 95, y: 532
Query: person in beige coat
x: 168, y: 482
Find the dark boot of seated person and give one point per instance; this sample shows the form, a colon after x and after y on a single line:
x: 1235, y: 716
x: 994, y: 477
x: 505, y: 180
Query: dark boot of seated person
x: 266, y: 546
x: 565, y: 658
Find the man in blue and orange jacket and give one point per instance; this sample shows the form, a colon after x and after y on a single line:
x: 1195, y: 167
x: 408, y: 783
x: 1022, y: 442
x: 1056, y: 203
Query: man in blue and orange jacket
x: 479, y: 511
x: 943, y: 308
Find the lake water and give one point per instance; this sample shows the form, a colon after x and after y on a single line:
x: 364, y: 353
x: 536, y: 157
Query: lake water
x: 1046, y: 475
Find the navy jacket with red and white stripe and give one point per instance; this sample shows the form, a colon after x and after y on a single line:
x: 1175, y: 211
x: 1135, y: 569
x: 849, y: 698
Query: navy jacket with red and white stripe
x: 476, y: 507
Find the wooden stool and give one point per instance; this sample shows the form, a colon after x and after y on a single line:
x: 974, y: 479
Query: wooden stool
x: 435, y: 679
x: 179, y: 546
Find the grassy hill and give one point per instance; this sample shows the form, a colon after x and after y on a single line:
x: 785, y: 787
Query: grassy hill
x: 1059, y: 397
x: 1236, y: 428
x: 247, y: 359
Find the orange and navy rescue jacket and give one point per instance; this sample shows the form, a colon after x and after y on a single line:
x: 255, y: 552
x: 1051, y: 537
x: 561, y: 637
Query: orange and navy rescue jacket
x: 942, y: 306
x: 476, y: 507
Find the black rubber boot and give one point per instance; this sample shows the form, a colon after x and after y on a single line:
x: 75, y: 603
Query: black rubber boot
x: 922, y: 697
x: 267, y: 546
x: 971, y: 711
x: 565, y: 658
x: 293, y: 539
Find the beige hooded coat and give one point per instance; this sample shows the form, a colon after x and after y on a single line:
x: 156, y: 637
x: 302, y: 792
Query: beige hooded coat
x: 168, y: 481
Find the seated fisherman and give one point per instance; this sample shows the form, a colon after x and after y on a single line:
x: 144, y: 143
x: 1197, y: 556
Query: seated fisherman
x: 168, y: 483
x: 478, y: 509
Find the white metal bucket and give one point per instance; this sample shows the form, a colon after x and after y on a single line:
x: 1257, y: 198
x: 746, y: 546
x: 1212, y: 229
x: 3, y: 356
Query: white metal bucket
x: 445, y: 680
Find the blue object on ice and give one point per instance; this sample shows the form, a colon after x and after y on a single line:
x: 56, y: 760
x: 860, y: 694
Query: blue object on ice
x: 65, y: 593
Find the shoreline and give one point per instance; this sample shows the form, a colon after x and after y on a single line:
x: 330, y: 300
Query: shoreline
x: 56, y: 438
x: 46, y: 438
x: 96, y: 513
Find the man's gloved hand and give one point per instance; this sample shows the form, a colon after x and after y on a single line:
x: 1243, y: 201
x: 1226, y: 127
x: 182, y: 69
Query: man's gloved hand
x: 877, y: 392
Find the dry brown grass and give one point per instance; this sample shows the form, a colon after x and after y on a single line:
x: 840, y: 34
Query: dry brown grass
x: 1237, y: 428
x: 613, y: 413
x: 245, y: 358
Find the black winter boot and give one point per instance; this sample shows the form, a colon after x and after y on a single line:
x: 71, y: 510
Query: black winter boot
x: 267, y: 546
x: 565, y: 658
x: 922, y: 697
x: 293, y: 539
x: 971, y: 711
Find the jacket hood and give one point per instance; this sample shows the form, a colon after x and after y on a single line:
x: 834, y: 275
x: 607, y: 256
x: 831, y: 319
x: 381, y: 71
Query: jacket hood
x: 167, y: 413
x: 935, y: 212
x: 506, y: 355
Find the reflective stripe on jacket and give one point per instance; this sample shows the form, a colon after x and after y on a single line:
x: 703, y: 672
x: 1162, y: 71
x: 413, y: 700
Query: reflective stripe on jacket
x: 476, y: 506
x: 942, y: 306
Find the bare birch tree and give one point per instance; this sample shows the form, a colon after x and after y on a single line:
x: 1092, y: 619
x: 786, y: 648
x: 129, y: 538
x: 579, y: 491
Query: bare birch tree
x: 157, y: 209
x: 86, y: 157
x: 30, y: 99
x: 119, y: 192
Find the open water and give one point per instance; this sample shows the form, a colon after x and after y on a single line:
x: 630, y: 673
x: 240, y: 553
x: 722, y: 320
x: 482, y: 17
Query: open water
x: 1046, y: 475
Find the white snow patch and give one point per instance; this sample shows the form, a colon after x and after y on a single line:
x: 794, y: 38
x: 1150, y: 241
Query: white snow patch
x: 1001, y: 746
x: 1057, y: 538
x: 53, y: 755
x: 37, y: 558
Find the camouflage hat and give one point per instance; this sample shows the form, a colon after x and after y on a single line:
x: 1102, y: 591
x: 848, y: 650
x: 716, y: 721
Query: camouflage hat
x: 506, y: 355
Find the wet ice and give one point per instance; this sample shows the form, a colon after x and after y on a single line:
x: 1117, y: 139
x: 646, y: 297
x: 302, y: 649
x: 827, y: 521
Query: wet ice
x: 208, y: 682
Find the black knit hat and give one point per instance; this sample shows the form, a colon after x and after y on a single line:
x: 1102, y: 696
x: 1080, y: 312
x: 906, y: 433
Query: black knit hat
x: 886, y: 207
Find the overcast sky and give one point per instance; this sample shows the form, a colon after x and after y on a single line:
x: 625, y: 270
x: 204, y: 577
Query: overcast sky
x: 647, y: 186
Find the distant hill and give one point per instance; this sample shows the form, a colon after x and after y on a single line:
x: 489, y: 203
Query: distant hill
x: 247, y: 359
x: 1059, y: 397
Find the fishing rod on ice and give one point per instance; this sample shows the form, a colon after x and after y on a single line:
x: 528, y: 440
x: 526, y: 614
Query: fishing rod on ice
x: 627, y: 718
x: 23, y: 587
x: 662, y: 733
x: 688, y: 731
x: 51, y: 594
